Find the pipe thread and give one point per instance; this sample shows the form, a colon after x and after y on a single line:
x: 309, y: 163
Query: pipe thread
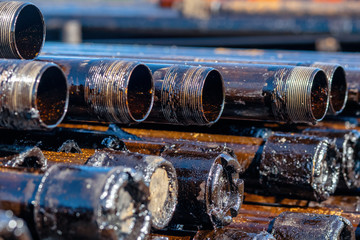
x: 106, y: 89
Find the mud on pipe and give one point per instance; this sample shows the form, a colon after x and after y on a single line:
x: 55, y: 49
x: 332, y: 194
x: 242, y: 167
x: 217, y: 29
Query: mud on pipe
x: 104, y: 198
x: 22, y: 30
x: 106, y: 89
x: 348, y: 144
x: 34, y: 96
x: 159, y: 175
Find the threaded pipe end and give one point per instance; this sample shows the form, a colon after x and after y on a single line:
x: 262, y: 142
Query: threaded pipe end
x: 338, y: 90
x: 119, y: 91
x: 34, y: 94
x: 307, y: 96
x: 192, y: 95
x: 22, y: 30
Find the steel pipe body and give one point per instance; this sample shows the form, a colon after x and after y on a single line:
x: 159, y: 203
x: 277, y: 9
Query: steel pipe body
x: 106, y: 90
x: 22, y: 30
x: 159, y: 176
x: 34, y: 94
x: 232, y: 234
x: 348, y: 144
x: 77, y: 202
x: 268, y: 92
x: 275, y: 161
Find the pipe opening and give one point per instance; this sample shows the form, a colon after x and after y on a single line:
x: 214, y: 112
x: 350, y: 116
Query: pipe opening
x: 338, y: 94
x: 351, y: 160
x: 52, y: 96
x: 319, y: 96
x: 29, y: 32
x: 213, y: 96
x: 140, y: 93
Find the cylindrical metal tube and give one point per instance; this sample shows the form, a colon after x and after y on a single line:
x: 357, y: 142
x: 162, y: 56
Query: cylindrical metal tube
x: 257, y: 218
x: 337, y: 83
x: 209, y: 189
x: 110, y: 203
x: 268, y: 92
x: 187, y: 95
x: 232, y: 234
x: 22, y: 30
x: 17, y: 156
x: 299, y: 165
x: 13, y: 228
x: 34, y: 94
x: 107, y: 90
x: 159, y: 175
x: 348, y: 144
x: 307, y: 226
x: 280, y: 160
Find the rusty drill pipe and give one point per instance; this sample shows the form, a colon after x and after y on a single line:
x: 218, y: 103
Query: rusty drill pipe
x: 110, y: 203
x: 107, y: 90
x: 295, y: 149
x: 29, y: 157
x: 22, y: 30
x: 232, y: 234
x: 34, y: 95
x: 348, y: 144
x: 257, y: 218
x: 187, y: 95
x: 159, y: 176
x: 13, y: 228
x: 302, y: 166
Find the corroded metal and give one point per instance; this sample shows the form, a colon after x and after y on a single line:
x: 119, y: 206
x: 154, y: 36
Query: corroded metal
x: 348, y: 143
x: 110, y: 203
x: 34, y: 95
x: 107, y: 90
x: 22, y: 30
x: 13, y: 228
x: 159, y: 175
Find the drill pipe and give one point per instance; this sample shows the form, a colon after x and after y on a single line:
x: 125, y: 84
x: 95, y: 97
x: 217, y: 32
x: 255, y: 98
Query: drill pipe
x: 29, y: 157
x: 159, y: 176
x: 209, y: 189
x: 232, y: 234
x: 348, y: 144
x: 308, y: 223
x: 337, y: 83
x: 187, y: 95
x: 34, y: 94
x: 295, y: 149
x: 76, y: 202
x: 22, y: 30
x: 281, y: 93
x: 106, y: 90
x: 13, y: 228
